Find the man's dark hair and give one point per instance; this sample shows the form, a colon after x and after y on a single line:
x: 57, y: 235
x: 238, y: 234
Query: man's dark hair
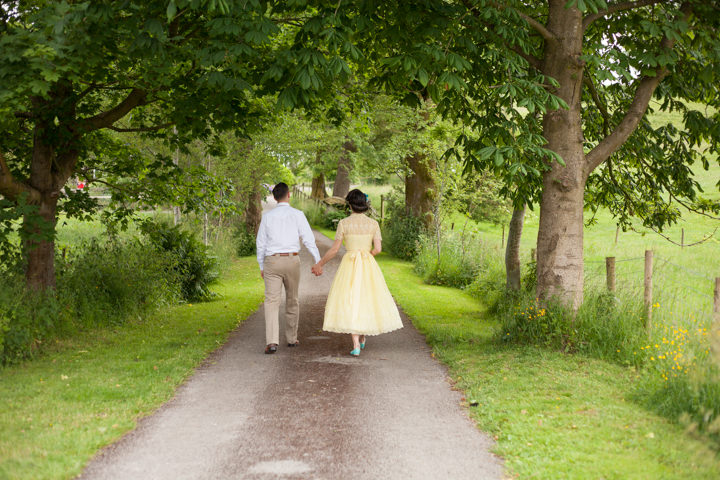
x: 357, y: 201
x: 280, y: 191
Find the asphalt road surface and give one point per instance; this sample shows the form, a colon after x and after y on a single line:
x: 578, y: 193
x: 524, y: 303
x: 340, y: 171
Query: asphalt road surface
x: 311, y: 412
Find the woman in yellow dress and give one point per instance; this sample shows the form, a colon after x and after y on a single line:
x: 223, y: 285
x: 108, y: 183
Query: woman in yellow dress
x: 359, y: 302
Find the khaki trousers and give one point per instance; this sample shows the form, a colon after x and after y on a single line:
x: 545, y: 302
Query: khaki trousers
x: 279, y: 271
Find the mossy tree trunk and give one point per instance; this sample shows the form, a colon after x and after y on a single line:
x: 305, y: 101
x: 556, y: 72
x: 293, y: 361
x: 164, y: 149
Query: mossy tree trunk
x: 342, y: 180
x: 318, y: 187
x: 420, y: 187
x: 512, y: 250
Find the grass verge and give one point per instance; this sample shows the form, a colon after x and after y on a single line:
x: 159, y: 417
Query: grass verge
x: 553, y: 415
x: 84, y: 393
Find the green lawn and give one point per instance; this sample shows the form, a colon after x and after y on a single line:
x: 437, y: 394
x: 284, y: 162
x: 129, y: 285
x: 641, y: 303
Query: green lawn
x: 84, y: 393
x: 553, y: 415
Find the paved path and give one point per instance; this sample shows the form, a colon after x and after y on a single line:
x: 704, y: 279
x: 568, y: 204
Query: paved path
x: 311, y: 412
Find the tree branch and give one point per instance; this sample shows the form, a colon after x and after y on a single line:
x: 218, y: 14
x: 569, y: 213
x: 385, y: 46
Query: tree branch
x: 11, y: 188
x: 537, y: 26
x: 107, y: 184
x: 106, y: 119
x: 666, y: 186
x: 531, y: 59
x: 153, y: 128
x: 601, y: 106
x: 705, y: 238
x: 96, y: 86
x: 618, y: 7
x: 635, y: 112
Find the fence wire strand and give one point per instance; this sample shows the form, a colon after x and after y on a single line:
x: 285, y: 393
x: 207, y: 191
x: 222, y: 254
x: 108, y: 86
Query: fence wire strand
x: 684, y: 269
x: 665, y: 285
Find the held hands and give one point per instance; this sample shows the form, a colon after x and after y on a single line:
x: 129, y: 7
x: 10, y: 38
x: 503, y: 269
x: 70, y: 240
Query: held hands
x: 317, y: 269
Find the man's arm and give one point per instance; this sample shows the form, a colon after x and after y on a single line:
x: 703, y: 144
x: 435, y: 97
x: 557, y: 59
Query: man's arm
x: 261, y: 244
x: 307, y: 237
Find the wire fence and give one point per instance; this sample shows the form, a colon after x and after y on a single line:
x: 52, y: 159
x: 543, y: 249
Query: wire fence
x: 669, y: 290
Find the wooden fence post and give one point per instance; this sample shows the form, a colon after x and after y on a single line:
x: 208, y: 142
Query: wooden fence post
x: 682, y: 238
x: 533, y: 255
x: 382, y: 207
x: 502, y: 242
x: 610, y: 273
x: 648, y: 288
x: 617, y: 232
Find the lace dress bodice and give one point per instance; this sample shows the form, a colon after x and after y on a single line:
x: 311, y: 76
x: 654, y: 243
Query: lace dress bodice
x: 358, y: 232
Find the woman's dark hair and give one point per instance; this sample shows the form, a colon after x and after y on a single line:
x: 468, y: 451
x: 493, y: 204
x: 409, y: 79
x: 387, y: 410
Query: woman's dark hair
x: 357, y: 201
x: 280, y: 191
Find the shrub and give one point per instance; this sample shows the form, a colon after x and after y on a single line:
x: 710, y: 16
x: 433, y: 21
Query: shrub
x: 107, y: 283
x: 489, y: 285
x: 332, y: 217
x: 529, y: 278
x: 528, y: 323
x: 27, y: 319
x: 98, y: 284
x: 605, y: 326
x: 457, y: 265
x: 244, y: 241
x: 402, y: 234
x: 196, y: 269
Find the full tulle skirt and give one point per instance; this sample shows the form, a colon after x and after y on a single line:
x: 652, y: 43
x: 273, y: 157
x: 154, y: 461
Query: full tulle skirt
x: 359, y: 300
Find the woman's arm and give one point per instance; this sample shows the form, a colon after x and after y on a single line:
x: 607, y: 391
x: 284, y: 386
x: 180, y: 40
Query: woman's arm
x: 317, y: 268
x: 331, y: 253
x: 377, y: 246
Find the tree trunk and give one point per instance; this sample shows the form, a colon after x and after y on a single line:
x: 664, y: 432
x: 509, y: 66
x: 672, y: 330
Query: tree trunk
x: 420, y: 187
x: 318, y: 187
x: 38, y: 232
x: 560, y: 234
x: 253, y: 213
x: 512, y: 251
x: 39, y: 246
x: 342, y: 180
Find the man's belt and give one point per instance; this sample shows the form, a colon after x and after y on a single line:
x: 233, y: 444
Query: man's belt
x: 284, y: 254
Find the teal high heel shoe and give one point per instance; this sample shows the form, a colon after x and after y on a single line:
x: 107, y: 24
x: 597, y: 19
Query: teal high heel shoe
x: 362, y: 345
x: 355, y: 352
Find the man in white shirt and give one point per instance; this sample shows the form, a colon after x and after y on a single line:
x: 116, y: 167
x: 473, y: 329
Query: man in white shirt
x: 277, y: 253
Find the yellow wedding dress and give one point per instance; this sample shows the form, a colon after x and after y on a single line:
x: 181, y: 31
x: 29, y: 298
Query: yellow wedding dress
x: 359, y: 300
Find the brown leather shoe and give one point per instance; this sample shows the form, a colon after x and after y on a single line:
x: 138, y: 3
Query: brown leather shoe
x: 294, y: 344
x: 272, y: 348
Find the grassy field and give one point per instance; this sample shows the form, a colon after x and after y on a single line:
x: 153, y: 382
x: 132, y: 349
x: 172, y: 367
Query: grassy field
x: 86, y: 392
x: 683, y: 277
x: 553, y: 415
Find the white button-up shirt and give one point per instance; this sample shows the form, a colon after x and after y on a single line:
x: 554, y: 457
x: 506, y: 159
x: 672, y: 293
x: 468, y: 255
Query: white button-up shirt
x: 280, y: 231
